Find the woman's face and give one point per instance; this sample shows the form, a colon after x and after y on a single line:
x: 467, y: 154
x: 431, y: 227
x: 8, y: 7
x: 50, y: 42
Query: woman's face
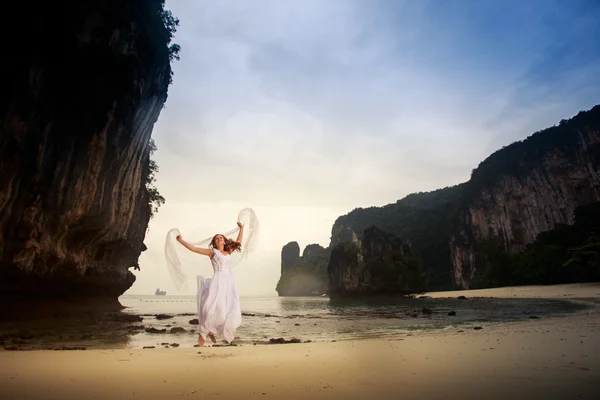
x: 219, y: 240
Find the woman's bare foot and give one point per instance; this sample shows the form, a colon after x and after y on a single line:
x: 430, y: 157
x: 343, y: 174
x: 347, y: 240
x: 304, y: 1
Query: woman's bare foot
x: 212, y: 337
x: 200, y: 340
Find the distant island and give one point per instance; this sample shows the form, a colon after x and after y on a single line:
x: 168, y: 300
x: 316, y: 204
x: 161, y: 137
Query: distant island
x: 529, y: 214
x: 160, y: 292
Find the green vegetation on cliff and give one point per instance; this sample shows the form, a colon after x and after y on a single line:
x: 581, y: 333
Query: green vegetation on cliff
x: 567, y: 254
x: 381, y: 265
x: 519, y: 158
x: 155, y: 199
x: 424, y: 220
x: 161, y: 36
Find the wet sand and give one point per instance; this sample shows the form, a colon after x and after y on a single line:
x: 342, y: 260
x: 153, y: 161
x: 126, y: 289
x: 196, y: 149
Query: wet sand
x: 553, y: 358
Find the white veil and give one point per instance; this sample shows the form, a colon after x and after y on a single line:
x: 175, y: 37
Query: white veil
x: 174, y: 250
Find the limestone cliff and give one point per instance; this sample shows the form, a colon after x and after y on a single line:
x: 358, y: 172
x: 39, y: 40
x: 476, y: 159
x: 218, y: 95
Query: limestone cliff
x: 84, y: 83
x: 304, y: 275
x: 515, y: 194
x: 380, y: 265
x: 528, y: 188
x: 290, y: 254
x: 423, y: 220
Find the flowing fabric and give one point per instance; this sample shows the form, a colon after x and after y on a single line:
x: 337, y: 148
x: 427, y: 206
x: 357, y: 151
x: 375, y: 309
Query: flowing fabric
x: 218, y: 300
x: 174, y: 250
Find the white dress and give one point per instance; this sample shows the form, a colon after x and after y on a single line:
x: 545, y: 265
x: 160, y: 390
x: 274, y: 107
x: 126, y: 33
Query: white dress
x: 218, y: 300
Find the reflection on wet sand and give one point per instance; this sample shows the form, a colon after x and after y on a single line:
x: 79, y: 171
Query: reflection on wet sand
x: 102, y: 330
x: 171, y: 321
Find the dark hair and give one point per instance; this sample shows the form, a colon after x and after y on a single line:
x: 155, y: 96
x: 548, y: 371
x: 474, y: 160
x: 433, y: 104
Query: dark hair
x: 230, y: 244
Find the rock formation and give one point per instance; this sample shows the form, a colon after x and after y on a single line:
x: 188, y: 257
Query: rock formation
x: 514, y: 195
x: 84, y: 83
x: 380, y: 265
x: 423, y: 220
x: 304, y: 275
x: 528, y: 188
x: 290, y: 254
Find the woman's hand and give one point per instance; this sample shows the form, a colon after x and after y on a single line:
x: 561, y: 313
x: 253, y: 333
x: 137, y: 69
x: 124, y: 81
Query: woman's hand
x: 240, y: 233
x: 179, y: 238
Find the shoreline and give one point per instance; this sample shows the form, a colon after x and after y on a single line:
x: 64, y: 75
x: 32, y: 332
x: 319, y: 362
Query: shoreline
x: 551, y: 358
x: 566, y: 290
x: 137, y: 330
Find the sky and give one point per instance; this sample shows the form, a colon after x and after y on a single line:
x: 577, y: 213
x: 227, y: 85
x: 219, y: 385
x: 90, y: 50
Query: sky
x: 305, y: 110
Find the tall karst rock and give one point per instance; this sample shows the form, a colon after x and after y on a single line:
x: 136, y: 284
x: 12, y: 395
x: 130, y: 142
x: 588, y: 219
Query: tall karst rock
x: 82, y: 85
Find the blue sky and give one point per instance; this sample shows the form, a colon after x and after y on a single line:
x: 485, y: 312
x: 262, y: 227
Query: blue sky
x: 305, y: 110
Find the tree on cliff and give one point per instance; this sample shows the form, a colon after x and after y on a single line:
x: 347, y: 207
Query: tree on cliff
x: 155, y: 200
x: 170, y: 24
x: 566, y: 254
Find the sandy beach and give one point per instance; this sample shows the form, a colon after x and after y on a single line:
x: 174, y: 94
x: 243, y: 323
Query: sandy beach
x: 553, y: 358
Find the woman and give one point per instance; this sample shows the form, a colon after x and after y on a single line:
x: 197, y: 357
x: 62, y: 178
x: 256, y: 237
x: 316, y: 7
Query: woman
x: 218, y: 299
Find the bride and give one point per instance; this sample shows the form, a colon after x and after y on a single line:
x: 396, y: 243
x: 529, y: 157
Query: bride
x: 219, y: 310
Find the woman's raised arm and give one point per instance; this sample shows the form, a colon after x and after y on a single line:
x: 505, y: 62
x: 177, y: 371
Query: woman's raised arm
x: 241, y: 233
x: 199, y: 250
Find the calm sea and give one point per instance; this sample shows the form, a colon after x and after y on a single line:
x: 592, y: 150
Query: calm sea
x: 315, y: 319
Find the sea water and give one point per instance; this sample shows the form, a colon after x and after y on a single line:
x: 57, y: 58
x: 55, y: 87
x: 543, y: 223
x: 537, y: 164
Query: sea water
x: 148, y: 320
x: 317, y: 319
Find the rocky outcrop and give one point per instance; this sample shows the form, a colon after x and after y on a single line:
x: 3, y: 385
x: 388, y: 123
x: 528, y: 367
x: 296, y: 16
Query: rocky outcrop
x: 345, y: 269
x: 520, y: 191
x: 304, y: 275
x: 290, y: 254
x: 85, y: 83
x: 381, y: 265
x: 528, y: 188
x: 424, y: 221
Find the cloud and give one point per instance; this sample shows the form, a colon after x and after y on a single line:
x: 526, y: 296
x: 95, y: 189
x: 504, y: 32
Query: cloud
x: 305, y: 110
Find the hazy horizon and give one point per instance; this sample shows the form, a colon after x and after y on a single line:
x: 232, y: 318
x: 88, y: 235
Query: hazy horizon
x: 310, y: 109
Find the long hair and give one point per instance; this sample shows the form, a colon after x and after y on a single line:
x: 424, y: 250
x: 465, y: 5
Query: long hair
x: 229, y: 246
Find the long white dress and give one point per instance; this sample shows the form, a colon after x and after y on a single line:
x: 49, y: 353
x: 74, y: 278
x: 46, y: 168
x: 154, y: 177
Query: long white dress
x: 218, y: 300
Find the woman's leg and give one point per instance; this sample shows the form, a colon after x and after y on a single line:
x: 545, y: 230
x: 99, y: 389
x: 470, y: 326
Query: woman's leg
x: 212, y: 337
